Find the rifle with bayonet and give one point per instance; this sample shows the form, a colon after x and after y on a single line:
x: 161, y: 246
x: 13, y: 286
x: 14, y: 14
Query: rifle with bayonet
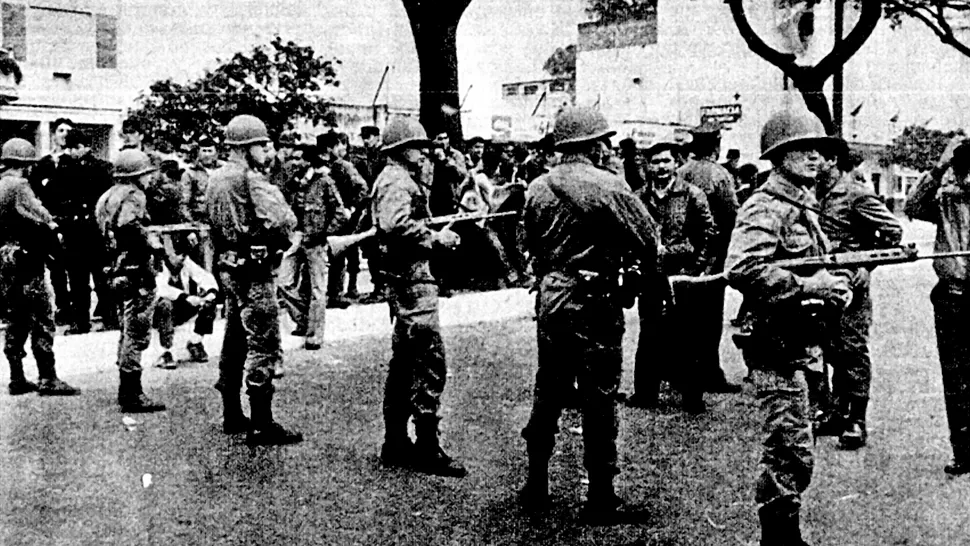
x: 839, y: 260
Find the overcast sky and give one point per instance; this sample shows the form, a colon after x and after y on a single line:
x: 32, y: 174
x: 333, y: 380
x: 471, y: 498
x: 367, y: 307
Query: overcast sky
x: 498, y: 40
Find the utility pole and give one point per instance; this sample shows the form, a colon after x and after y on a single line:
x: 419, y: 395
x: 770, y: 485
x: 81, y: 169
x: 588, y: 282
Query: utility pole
x: 838, y: 81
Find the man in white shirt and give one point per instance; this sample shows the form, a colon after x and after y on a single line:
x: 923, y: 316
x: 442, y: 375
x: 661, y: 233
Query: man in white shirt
x: 185, y: 290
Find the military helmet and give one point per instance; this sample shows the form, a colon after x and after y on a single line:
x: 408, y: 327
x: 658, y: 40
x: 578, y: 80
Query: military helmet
x: 786, y: 128
x: 575, y: 125
x: 131, y: 163
x: 18, y: 149
x: 246, y: 129
x: 404, y: 131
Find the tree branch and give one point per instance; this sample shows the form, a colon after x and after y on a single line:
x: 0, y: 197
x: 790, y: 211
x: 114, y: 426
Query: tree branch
x: 784, y: 61
x: 868, y: 19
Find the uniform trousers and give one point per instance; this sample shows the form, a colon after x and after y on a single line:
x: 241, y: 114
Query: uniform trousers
x: 848, y: 351
x: 417, y: 371
x: 252, y: 341
x: 951, y: 309
x: 137, y: 308
x: 31, y: 314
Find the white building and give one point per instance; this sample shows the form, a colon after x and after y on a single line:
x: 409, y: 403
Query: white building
x: 70, y: 54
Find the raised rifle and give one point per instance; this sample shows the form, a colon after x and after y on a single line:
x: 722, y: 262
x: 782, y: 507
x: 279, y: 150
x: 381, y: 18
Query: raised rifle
x: 839, y: 260
x: 467, y: 217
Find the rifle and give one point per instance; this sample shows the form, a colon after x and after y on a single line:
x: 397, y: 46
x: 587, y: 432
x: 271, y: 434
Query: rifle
x: 839, y: 260
x: 466, y: 217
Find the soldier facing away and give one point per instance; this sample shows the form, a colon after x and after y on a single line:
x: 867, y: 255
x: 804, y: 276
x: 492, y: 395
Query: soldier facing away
x: 417, y: 371
x: 27, y: 235
x: 251, y: 224
x: 790, y: 310
x: 581, y: 223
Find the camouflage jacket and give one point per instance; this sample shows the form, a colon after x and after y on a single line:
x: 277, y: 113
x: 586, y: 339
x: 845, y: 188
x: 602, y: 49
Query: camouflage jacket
x: 323, y: 211
x: 122, y: 214
x: 686, y: 227
x: 398, y: 206
x: 23, y: 219
x: 718, y: 184
x: 244, y: 209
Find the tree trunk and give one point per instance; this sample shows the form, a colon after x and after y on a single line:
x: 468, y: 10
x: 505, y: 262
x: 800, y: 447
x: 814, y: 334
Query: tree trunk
x: 438, y: 61
x: 813, y: 93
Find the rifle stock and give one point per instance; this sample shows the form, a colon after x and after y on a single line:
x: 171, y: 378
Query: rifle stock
x: 839, y: 260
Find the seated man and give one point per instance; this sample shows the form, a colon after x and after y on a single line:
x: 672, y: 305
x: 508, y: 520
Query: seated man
x: 185, y: 290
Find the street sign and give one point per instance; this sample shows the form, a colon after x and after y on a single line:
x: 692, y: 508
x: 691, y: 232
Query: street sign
x: 723, y: 113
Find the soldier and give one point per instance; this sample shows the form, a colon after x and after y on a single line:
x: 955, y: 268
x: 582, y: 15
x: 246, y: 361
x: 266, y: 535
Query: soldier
x: 251, y: 224
x: 580, y: 317
x: 786, y: 331
x: 122, y: 216
x: 941, y: 197
x: 417, y: 371
x: 686, y: 236
x: 352, y: 190
x: 853, y: 218
x: 718, y: 184
x: 27, y: 234
x: 195, y: 180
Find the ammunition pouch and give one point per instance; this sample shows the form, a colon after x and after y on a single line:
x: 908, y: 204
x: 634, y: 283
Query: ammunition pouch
x: 254, y: 260
x: 595, y: 288
x: 128, y: 280
x: 786, y: 331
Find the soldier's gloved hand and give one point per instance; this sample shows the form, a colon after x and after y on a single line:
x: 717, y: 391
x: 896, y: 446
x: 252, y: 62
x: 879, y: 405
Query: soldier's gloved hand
x: 831, y: 288
x: 447, y: 238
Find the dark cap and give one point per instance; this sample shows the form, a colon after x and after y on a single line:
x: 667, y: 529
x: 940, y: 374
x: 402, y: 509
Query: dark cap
x: 662, y: 146
x: 368, y: 131
x: 131, y: 125
x: 76, y: 139
x: 734, y: 153
x: 206, y: 142
x: 628, y: 144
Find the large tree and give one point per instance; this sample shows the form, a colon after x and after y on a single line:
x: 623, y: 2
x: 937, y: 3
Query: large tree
x: 946, y: 18
x: 618, y: 11
x: 918, y: 147
x: 810, y: 80
x: 562, y: 62
x: 281, y: 83
x: 434, y: 24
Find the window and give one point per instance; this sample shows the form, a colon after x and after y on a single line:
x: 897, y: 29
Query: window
x: 530, y: 89
x: 557, y: 86
x: 876, y: 179
x: 510, y: 90
x: 60, y: 39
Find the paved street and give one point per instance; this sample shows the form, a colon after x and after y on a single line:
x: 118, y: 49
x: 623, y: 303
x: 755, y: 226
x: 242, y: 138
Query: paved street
x: 71, y: 472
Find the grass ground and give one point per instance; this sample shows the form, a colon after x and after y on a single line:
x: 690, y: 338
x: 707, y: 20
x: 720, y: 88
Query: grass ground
x: 72, y: 473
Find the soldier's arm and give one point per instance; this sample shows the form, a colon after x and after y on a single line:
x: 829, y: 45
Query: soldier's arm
x: 29, y: 207
x: 276, y: 218
x: 874, y: 214
x: 754, y: 241
x: 637, y: 231
x: 356, y: 184
x: 922, y: 203
x: 729, y: 203
x: 129, y: 227
x: 535, y: 195
x: 393, y: 216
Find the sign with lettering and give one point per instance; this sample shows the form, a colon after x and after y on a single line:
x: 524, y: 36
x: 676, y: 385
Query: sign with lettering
x: 723, y: 113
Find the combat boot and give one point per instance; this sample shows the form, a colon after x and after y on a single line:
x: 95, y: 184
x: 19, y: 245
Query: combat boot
x: 234, y: 421
x: 854, y: 436
x: 18, y: 382
x: 398, y: 449
x: 264, y: 430
x: 780, y: 525
x: 131, y: 398
x: 50, y: 385
x: 429, y: 458
x: 603, y: 506
x: 534, y: 495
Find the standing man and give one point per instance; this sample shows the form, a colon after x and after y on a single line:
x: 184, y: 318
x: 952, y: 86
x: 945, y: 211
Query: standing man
x: 251, y: 224
x: 122, y: 214
x: 449, y: 175
x: 474, y: 160
x: 369, y: 164
x: 943, y: 198
x: 417, y: 371
x: 686, y: 237
x: 581, y: 223
x: 787, y: 325
x: 718, y: 184
x: 27, y: 235
x: 853, y: 218
x: 632, y: 169
x: 352, y: 190
x: 195, y: 180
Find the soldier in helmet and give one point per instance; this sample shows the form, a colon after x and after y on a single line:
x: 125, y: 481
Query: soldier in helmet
x: 27, y: 235
x: 790, y: 309
x: 718, y: 184
x: 122, y: 214
x: 416, y: 373
x: 251, y: 225
x: 581, y: 224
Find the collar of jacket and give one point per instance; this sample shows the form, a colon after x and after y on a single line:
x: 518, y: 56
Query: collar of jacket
x: 778, y: 183
x: 677, y: 186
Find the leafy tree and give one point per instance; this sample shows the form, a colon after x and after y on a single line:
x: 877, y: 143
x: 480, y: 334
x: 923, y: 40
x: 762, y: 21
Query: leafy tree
x: 281, y: 83
x: 918, y: 147
x: 944, y: 17
x: 810, y: 80
x: 434, y: 25
x: 562, y: 62
x: 617, y: 11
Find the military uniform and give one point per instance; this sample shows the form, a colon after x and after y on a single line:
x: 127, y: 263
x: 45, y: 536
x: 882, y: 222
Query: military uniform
x: 718, y: 184
x: 122, y: 214
x: 26, y: 237
x: 686, y: 233
x: 352, y: 191
x: 193, y: 186
x: 864, y: 223
x: 570, y: 213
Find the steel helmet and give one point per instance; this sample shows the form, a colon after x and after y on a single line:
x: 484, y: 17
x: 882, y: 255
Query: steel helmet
x: 404, y: 131
x: 131, y: 163
x: 786, y: 128
x: 18, y: 149
x: 575, y: 125
x: 246, y: 129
